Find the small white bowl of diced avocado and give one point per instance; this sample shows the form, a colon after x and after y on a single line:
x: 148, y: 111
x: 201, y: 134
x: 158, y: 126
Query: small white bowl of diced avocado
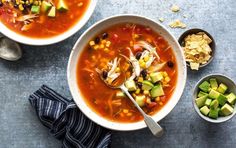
x: 214, y: 98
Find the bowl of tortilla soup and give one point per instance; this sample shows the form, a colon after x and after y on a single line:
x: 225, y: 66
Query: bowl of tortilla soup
x: 141, y: 52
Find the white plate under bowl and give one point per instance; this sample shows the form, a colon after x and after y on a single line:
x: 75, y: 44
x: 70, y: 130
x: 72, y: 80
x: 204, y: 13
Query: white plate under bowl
x: 51, y: 40
x: 101, y: 26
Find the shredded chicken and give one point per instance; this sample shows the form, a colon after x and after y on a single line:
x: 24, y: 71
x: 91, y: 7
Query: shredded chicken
x: 112, y: 74
x: 149, y: 47
x: 26, y: 17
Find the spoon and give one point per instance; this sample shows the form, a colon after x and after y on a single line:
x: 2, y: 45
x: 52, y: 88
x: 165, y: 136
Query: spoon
x: 9, y: 50
x: 154, y: 127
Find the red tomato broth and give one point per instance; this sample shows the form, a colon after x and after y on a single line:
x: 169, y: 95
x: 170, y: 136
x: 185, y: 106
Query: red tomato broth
x: 44, y: 26
x: 97, y: 95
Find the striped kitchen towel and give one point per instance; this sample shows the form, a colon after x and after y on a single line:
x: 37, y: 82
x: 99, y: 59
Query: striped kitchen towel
x: 66, y: 122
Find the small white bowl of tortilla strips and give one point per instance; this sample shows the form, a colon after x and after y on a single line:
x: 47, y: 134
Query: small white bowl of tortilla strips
x: 198, y: 46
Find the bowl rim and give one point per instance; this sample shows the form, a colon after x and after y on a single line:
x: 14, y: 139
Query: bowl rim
x: 216, y: 121
x: 141, y: 124
x: 212, y: 44
x: 50, y: 40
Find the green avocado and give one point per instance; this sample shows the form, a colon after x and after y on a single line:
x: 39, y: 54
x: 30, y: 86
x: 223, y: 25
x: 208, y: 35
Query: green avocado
x: 147, y: 85
x: 222, y: 99
x: 214, y: 84
x: 157, y: 91
x: 214, y: 94
x: 227, y: 109
x: 204, y: 110
x: 201, y: 101
x: 205, y: 86
x: 45, y: 6
x: 222, y: 88
x: 52, y: 12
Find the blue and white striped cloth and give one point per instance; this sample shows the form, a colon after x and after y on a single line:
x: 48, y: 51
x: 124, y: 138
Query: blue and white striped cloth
x: 66, y: 122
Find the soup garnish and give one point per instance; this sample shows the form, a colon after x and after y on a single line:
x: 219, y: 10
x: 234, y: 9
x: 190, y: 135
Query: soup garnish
x: 41, y: 18
x: 136, y: 55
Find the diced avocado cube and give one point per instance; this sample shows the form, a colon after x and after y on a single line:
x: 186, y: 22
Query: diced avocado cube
x: 226, y: 109
x: 52, y: 12
x: 157, y: 91
x: 147, y: 85
x: 201, y: 101
x: 35, y: 9
x: 213, y: 113
x: 205, y: 86
x: 140, y: 100
x: 214, y: 84
x: 222, y: 99
x: 220, y: 112
x: 222, y: 88
x: 231, y: 98
x: 208, y: 102
x: 214, y: 94
x: 61, y: 6
x: 156, y: 76
x: 45, y: 6
x: 201, y: 93
x: 120, y: 94
x: 214, y: 104
x: 204, y: 110
x: 130, y: 85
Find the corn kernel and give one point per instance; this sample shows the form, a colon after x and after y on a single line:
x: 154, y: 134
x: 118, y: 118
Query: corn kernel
x: 21, y: 7
x: 137, y: 91
x: 95, y: 47
x: 133, y: 95
x: 106, y: 49
x: 157, y: 99
x: 148, y: 101
x: 140, y: 79
x: 146, y: 92
x: 135, y: 36
x: 129, y: 114
x: 101, y: 46
x: 117, y: 69
x: 91, y: 43
x: 143, y: 65
x: 164, y: 74
x: 104, y: 41
x: 93, y: 57
x: 125, y: 111
x: 146, y: 58
x: 160, y: 103
x: 108, y: 43
x: 80, y: 4
x: 167, y: 79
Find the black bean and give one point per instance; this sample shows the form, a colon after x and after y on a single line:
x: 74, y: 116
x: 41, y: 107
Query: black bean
x: 138, y: 55
x: 1, y: 4
x: 144, y: 73
x: 170, y: 64
x: 97, y: 40
x: 104, y: 35
x: 104, y: 74
x: 136, y: 79
x: 16, y: 6
x: 139, y: 84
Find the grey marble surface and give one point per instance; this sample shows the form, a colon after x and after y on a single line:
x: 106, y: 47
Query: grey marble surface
x: 20, y: 128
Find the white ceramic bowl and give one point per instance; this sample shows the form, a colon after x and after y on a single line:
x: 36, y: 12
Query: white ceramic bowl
x: 97, y: 28
x: 47, y: 41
